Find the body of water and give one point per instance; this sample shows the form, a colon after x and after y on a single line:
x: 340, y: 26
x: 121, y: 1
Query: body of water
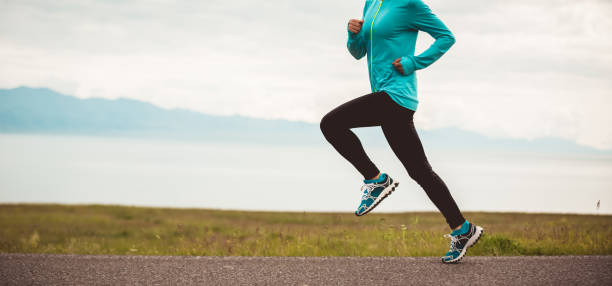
x: 80, y: 169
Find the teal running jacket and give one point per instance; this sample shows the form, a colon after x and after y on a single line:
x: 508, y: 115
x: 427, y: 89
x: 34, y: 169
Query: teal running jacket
x: 389, y: 32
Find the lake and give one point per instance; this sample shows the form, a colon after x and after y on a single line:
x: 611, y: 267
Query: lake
x: 233, y: 175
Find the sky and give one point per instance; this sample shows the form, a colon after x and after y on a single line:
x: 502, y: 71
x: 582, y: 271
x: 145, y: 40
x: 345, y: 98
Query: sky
x: 519, y: 69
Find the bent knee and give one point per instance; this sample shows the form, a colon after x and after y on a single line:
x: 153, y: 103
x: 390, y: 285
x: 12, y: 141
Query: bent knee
x: 421, y: 173
x: 327, y: 124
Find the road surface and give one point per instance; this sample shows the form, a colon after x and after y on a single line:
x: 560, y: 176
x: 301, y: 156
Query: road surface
x: 41, y: 269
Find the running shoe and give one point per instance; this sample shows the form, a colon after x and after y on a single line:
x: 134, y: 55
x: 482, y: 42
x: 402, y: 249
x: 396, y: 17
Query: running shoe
x: 461, y: 240
x: 374, y: 191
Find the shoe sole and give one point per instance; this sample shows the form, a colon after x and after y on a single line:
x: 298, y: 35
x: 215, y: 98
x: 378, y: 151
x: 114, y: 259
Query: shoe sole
x: 385, y: 193
x: 471, y: 242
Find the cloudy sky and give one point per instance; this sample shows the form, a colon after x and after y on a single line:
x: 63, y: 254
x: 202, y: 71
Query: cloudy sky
x: 519, y: 69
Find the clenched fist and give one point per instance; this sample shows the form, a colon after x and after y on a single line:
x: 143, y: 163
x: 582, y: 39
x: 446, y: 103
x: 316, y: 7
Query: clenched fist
x: 354, y: 25
x: 398, y: 66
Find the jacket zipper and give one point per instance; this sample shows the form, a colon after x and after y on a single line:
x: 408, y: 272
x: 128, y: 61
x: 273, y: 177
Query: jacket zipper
x: 371, y: 45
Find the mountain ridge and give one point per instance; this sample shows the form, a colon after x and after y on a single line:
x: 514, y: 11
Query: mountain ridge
x: 42, y: 110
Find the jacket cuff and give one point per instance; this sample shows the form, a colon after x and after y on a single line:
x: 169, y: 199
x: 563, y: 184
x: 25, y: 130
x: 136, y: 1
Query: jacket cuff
x: 352, y: 36
x: 408, y: 65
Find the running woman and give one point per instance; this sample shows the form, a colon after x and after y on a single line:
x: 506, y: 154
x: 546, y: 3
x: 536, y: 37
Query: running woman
x: 387, y: 35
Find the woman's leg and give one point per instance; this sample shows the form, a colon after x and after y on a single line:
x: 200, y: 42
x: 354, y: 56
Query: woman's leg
x: 336, y: 125
x: 404, y: 141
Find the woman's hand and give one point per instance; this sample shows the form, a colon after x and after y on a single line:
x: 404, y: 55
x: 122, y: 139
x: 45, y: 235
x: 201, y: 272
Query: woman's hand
x: 398, y: 66
x: 354, y: 25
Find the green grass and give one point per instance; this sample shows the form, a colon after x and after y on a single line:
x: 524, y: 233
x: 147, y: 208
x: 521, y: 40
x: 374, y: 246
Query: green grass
x: 97, y: 229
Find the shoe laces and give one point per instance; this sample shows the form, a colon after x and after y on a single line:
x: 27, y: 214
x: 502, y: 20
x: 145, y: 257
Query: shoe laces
x: 453, y: 241
x: 367, y: 189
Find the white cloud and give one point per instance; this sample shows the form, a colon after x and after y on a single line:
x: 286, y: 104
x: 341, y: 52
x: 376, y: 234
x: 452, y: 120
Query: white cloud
x: 521, y: 69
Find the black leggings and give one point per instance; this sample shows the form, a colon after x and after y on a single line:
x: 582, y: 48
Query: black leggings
x: 378, y: 109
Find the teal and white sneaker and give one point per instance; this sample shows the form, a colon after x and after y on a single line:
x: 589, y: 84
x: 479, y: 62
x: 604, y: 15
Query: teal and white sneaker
x: 461, y: 240
x: 374, y: 191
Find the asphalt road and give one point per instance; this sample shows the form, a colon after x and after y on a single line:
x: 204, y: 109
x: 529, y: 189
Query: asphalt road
x: 35, y: 269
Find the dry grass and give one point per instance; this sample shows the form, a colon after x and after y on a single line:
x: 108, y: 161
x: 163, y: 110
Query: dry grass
x: 96, y: 229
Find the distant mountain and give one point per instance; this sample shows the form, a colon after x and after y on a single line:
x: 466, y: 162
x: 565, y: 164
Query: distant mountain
x: 41, y: 110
